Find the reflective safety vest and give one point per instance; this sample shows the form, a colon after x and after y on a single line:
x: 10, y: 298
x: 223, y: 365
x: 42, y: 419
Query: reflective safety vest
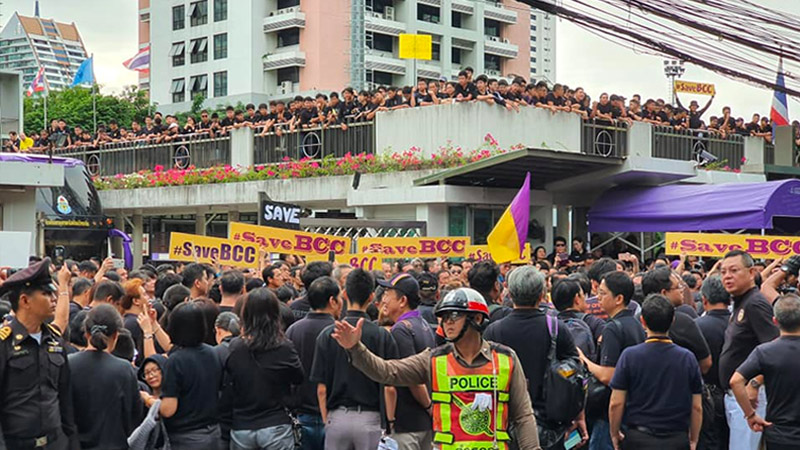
x: 456, y: 426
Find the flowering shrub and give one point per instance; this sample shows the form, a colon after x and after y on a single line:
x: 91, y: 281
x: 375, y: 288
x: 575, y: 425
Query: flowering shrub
x: 723, y: 166
x: 411, y: 159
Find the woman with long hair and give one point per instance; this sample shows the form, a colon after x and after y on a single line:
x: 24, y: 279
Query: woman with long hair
x: 192, y: 378
x: 104, y: 388
x: 262, y: 367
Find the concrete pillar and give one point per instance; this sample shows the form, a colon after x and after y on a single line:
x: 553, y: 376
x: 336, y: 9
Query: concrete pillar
x: 242, y: 147
x: 784, y: 148
x: 116, y: 244
x: 754, y: 154
x: 233, y: 216
x: 435, y: 216
x: 563, y: 224
x: 200, y: 223
x: 136, y: 245
x: 640, y: 139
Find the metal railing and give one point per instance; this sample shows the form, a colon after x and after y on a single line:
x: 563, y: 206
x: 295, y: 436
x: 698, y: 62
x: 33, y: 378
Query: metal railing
x: 604, y: 139
x: 314, y: 143
x: 130, y: 157
x: 688, y: 145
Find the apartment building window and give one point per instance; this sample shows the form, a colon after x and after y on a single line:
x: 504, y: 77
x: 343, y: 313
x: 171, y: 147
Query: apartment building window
x: 198, y: 12
x: 178, y: 54
x: 382, y: 42
x: 178, y: 90
x: 456, y: 56
x: 380, y: 78
x: 220, y: 10
x: 178, y: 17
x: 289, y: 37
x: 288, y: 3
x: 199, y: 50
x: 456, y: 19
x: 220, y: 84
x: 491, y: 28
x: 221, y: 46
x: 533, y: 49
x: 533, y: 59
x: 289, y: 74
x: 533, y: 27
x: 436, y: 52
x: 199, y: 85
x: 427, y: 13
x: 533, y: 38
x: 533, y: 69
x: 491, y: 62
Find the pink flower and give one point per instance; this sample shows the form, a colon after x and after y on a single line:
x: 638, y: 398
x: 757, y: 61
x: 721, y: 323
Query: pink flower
x: 158, y: 168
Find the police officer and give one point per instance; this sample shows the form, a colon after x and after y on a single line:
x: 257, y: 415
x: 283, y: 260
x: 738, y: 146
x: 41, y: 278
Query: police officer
x: 478, y: 388
x: 36, y: 406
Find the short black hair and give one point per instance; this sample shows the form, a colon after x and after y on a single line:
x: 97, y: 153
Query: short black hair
x: 564, y: 293
x: 253, y: 283
x: 166, y: 281
x: 690, y: 280
x: 315, y: 270
x: 601, y: 267
x: 619, y: 283
x: 232, y: 282
x: 462, y: 73
x: 321, y: 291
x: 87, y: 266
x: 747, y: 259
x: 269, y: 272
x: 583, y: 280
x: 191, y: 273
x: 284, y: 293
x: 359, y: 286
x: 125, y: 346
x: 187, y: 325
x: 106, y: 289
x: 657, y: 313
x: 81, y: 285
x: 483, y: 276
x: 175, y: 295
x: 656, y: 280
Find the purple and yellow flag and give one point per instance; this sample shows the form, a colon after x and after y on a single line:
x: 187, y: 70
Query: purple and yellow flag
x: 507, y: 239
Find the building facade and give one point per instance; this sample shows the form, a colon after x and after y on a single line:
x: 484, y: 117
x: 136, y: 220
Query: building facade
x: 144, y: 39
x: 28, y: 43
x: 261, y: 49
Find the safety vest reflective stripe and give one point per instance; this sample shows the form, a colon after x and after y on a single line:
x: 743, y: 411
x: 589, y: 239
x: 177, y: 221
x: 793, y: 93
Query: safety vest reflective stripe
x: 441, y: 397
x: 505, y: 367
x: 443, y: 438
x: 473, y: 446
x: 503, y: 397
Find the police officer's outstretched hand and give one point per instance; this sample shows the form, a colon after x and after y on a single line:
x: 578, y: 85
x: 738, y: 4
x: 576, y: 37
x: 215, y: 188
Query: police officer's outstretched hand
x: 347, y: 335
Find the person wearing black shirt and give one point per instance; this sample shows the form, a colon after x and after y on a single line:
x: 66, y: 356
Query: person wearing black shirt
x: 192, y: 380
x: 556, y: 100
x: 105, y: 392
x: 695, y: 115
x: 263, y: 114
x: 132, y: 304
x: 465, y: 90
x: 113, y: 130
x: 657, y: 388
x: 349, y: 401
x: 622, y: 331
x: 13, y: 143
x: 250, y: 116
x: 262, y: 366
x: 684, y: 332
x: 753, y: 126
x: 308, y: 113
x: 230, y: 118
x: 526, y: 324
x: 602, y: 110
x: 750, y: 325
x: 716, y: 299
x: 314, y: 270
x: 778, y: 364
x: 323, y: 297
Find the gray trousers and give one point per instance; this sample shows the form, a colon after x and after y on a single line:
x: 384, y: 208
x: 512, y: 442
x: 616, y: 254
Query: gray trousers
x: 418, y: 440
x: 206, y: 438
x: 349, y: 429
x: 279, y: 437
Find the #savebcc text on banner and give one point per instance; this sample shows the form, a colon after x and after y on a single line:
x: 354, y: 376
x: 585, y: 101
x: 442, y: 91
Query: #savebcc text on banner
x: 482, y: 253
x: 293, y: 242
x: 204, y: 249
x: 443, y: 247
x: 717, y: 245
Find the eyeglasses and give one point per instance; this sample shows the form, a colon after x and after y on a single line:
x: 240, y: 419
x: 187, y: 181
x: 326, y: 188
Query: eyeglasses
x: 561, y: 245
x: 453, y: 316
x: 152, y: 372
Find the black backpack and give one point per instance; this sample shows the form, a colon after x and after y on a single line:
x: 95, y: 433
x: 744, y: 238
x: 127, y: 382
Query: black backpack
x: 565, y: 382
x: 582, y: 335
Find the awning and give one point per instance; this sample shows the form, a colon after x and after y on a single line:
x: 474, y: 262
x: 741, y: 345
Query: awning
x: 508, y: 170
x: 705, y: 207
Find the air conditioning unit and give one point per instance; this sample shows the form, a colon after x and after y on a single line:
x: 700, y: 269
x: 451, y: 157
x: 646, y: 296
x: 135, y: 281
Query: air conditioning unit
x: 388, y: 13
x: 287, y: 87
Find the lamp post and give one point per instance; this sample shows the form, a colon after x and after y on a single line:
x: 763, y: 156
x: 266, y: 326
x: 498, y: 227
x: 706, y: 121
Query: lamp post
x: 673, y: 68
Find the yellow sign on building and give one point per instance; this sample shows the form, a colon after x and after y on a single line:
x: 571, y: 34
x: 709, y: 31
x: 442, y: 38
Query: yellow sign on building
x: 416, y: 46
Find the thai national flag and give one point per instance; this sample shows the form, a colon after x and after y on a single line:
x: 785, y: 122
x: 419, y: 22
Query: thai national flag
x: 779, y: 114
x: 37, y: 85
x: 140, y: 62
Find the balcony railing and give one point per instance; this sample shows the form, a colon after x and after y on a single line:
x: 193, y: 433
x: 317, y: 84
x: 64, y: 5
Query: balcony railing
x: 604, y: 139
x: 315, y: 143
x: 687, y: 145
x: 130, y: 157
x: 284, y: 19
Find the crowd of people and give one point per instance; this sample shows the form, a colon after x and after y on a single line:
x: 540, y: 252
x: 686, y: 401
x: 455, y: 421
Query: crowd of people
x: 349, y: 106
x: 575, y: 349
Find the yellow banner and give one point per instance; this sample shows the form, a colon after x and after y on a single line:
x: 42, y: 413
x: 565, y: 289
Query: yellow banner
x: 415, y: 247
x: 717, y: 245
x: 293, y: 242
x: 482, y: 253
x: 690, y: 87
x: 416, y: 46
x: 204, y: 249
x: 366, y: 261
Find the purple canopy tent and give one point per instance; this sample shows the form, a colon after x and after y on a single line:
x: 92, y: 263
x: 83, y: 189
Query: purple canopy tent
x: 686, y: 207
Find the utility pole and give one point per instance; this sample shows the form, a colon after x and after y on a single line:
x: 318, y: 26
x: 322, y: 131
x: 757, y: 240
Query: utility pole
x: 673, y: 69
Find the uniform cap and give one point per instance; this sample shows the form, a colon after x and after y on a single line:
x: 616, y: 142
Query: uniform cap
x: 36, y: 276
x: 403, y: 283
x: 428, y: 282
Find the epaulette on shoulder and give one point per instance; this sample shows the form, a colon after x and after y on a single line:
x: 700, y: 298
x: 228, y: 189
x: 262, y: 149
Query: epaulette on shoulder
x: 5, y: 332
x: 54, y: 329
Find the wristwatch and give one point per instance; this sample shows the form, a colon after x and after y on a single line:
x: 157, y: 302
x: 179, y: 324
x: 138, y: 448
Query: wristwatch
x: 754, y: 384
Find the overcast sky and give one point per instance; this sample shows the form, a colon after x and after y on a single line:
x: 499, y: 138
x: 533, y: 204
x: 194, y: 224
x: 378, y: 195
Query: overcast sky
x: 109, y: 30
